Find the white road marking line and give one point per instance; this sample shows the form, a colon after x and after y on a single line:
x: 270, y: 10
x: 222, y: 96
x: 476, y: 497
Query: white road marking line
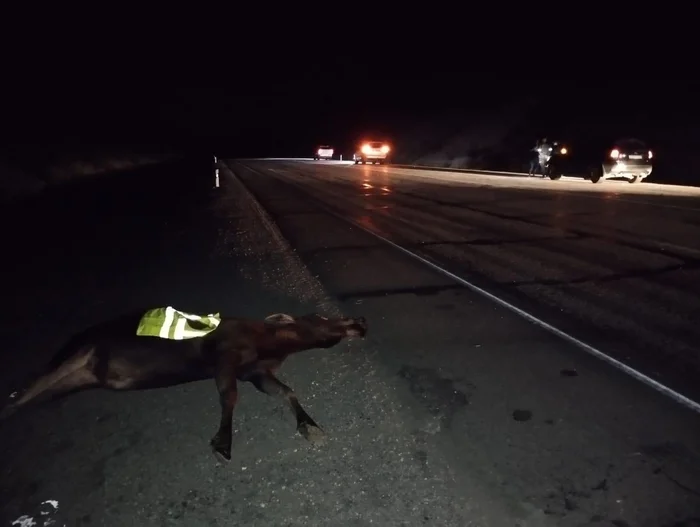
x: 656, y: 385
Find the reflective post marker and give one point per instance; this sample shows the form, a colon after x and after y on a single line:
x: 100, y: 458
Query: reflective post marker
x: 216, y: 173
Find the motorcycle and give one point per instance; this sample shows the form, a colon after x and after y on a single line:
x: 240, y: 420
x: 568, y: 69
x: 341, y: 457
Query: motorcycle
x: 552, y: 166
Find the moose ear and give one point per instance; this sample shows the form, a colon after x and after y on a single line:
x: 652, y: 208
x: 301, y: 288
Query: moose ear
x: 280, y: 318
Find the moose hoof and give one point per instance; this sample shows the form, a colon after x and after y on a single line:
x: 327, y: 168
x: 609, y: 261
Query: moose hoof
x: 312, y: 433
x: 222, y: 457
x: 221, y: 452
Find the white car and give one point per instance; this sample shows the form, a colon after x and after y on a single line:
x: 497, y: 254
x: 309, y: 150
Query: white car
x: 629, y: 159
x: 323, y: 152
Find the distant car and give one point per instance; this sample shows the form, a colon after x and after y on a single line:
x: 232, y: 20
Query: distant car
x: 323, y: 152
x: 629, y: 159
x: 373, y: 151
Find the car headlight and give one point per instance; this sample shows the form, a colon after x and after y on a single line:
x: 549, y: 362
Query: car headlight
x: 615, y: 153
x: 563, y: 150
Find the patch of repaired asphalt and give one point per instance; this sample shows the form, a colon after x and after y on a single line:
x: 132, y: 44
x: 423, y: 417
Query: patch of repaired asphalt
x: 439, y: 395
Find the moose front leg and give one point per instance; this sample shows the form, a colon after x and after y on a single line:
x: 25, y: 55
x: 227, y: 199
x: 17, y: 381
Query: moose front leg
x: 267, y: 383
x: 228, y: 397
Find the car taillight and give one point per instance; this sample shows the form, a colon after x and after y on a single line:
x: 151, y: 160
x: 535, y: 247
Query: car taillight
x: 385, y: 149
x: 615, y: 153
x: 366, y: 149
x: 319, y: 151
x: 650, y: 154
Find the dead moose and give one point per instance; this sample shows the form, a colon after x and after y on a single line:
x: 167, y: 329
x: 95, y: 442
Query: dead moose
x: 112, y: 355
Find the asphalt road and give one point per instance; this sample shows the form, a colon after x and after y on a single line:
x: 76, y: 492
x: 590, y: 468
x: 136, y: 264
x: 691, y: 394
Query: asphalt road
x: 614, y: 265
x: 454, y: 411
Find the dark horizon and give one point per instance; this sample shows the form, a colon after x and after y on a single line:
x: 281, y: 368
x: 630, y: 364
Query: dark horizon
x: 291, y: 118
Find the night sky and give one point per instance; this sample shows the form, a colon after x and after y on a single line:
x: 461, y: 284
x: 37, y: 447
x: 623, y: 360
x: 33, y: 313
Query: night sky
x: 258, y: 90
x: 287, y: 114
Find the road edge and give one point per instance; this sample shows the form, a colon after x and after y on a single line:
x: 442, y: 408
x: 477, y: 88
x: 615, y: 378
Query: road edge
x: 320, y: 295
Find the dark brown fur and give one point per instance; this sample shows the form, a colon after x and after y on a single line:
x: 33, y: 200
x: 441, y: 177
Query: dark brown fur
x: 112, y: 356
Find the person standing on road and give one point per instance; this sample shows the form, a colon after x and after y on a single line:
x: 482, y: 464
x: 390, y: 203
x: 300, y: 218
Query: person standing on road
x: 534, y: 158
x: 544, y: 152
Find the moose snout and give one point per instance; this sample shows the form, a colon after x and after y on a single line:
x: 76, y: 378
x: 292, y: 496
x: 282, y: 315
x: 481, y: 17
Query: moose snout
x: 357, y: 327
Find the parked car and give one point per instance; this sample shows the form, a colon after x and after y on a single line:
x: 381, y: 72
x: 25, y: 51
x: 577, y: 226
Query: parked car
x: 628, y: 158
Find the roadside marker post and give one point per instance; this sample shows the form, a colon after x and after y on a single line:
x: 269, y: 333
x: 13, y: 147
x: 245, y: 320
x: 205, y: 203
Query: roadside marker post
x: 216, y: 173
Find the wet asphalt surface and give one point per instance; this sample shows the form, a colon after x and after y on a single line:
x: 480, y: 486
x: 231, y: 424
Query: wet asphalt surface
x: 453, y: 411
x: 617, y: 265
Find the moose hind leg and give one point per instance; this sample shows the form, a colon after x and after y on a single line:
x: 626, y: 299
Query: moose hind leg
x: 65, y: 380
x: 271, y: 385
